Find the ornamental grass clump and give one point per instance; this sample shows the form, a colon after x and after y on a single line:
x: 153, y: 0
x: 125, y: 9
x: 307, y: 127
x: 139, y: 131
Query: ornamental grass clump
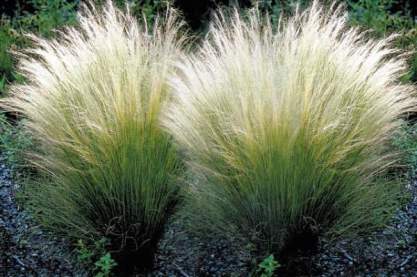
x: 287, y: 128
x: 92, y: 103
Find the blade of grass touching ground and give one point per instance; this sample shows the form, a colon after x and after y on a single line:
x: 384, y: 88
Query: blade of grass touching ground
x: 92, y: 103
x: 287, y: 132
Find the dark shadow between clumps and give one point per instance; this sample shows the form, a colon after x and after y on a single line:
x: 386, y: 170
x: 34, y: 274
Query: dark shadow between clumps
x: 135, y: 259
x: 131, y: 261
x: 294, y: 257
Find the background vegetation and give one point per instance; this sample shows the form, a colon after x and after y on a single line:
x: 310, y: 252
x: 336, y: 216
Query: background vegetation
x: 43, y: 16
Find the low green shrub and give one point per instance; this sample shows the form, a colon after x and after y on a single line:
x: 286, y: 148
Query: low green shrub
x: 6, y: 41
x: 377, y: 15
x: 92, y: 104
x: 47, y: 15
x: 288, y: 133
x: 383, y: 20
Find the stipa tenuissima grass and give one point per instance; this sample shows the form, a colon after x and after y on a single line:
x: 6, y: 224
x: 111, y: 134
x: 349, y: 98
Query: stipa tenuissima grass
x: 287, y: 132
x: 92, y: 102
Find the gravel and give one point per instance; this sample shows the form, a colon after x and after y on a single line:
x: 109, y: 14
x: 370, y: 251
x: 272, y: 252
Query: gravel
x: 26, y: 250
x: 388, y: 252
x: 183, y: 254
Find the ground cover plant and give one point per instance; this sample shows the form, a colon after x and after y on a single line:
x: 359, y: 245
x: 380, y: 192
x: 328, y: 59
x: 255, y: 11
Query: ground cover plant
x: 287, y: 133
x: 92, y: 102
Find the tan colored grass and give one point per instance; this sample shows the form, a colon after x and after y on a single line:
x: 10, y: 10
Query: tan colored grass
x: 288, y: 131
x: 92, y: 102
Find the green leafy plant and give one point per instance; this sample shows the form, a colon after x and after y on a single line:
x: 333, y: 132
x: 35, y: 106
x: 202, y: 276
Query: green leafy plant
x: 287, y: 133
x: 92, y: 103
x: 84, y: 254
x: 378, y: 16
x: 8, y: 39
x: 47, y: 16
x: 267, y: 267
x: 96, y: 258
x: 105, y: 265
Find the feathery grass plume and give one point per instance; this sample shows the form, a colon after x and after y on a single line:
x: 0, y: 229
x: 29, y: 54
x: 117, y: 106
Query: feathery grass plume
x: 92, y: 101
x: 287, y: 132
